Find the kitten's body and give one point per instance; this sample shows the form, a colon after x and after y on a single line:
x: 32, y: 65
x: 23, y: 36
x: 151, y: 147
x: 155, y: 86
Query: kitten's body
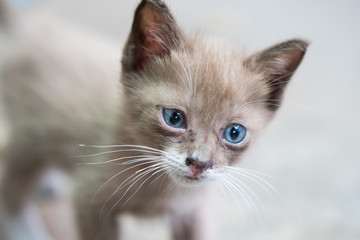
x: 59, y: 93
x: 64, y: 90
x: 56, y: 93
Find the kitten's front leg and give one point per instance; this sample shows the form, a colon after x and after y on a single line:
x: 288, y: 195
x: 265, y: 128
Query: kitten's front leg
x: 28, y: 224
x: 92, y: 227
x: 20, y: 216
x: 190, y: 225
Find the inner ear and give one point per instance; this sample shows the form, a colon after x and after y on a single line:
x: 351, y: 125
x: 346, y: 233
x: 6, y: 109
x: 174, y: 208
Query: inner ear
x: 154, y: 33
x: 277, y: 64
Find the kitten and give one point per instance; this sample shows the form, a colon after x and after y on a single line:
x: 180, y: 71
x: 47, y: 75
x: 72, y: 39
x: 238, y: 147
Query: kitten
x: 184, y: 110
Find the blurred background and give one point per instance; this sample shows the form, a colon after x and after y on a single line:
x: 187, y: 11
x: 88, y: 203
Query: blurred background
x: 312, y: 148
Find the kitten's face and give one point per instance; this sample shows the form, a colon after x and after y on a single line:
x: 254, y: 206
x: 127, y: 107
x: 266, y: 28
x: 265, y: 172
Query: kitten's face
x: 198, y: 111
x: 200, y: 102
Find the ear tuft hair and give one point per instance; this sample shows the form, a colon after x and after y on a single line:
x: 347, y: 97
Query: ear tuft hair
x: 278, y: 63
x: 154, y: 33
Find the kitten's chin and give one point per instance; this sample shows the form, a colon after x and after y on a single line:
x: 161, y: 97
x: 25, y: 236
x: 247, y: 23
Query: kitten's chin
x: 189, y: 181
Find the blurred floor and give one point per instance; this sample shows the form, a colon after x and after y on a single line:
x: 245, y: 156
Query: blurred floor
x: 312, y: 147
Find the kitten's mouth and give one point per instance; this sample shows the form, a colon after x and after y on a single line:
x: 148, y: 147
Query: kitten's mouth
x: 189, y: 179
x: 197, y: 174
x: 194, y: 178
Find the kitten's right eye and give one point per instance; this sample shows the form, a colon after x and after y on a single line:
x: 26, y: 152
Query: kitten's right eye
x: 174, y: 118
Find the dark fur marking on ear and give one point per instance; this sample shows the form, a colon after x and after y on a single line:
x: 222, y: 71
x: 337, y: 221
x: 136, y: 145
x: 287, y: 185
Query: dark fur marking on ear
x: 154, y: 33
x: 278, y: 63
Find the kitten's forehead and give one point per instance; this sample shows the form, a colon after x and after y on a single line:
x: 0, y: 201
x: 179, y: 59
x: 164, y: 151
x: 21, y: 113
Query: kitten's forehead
x: 211, y: 75
x: 205, y: 79
x: 216, y: 68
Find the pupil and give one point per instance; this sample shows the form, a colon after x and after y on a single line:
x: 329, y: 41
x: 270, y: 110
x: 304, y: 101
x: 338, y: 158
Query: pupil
x: 175, y: 117
x: 234, y: 133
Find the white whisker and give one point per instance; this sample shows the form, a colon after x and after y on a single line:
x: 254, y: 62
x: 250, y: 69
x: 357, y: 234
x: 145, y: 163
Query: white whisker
x: 137, y: 157
x: 239, y: 190
x: 168, y: 171
x: 253, y: 196
x: 154, y: 173
x: 138, y: 160
x: 252, y: 171
x: 165, y: 168
x: 110, y: 179
x: 127, y: 190
x: 235, y: 199
x: 256, y: 179
x: 138, y: 173
x: 117, y: 151
x: 170, y: 186
x: 125, y: 183
x: 219, y: 184
x: 122, y: 145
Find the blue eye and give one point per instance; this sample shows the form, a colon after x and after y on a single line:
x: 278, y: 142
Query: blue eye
x: 174, y: 118
x: 234, y: 133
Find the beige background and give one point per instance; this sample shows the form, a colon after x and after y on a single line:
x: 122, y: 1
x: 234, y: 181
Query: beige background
x: 312, y: 148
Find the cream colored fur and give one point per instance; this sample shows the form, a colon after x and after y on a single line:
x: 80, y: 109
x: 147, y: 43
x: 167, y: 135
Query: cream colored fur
x: 61, y: 88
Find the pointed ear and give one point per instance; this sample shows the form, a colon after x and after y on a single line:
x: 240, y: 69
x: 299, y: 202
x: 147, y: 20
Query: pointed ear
x: 277, y: 63
x: 154, y: 33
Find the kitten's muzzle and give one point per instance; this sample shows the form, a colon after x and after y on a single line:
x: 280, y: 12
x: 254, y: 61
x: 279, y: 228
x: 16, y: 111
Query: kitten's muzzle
x: 197, y: 167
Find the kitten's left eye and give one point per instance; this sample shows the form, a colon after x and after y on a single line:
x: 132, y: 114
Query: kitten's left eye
x: 234, y: 133
x: 174, y: 118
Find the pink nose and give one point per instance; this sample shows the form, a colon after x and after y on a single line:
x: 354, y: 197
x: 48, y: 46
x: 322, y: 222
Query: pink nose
x: 197, y: 167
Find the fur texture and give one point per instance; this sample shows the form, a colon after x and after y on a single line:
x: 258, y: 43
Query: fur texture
x: 66, y: 91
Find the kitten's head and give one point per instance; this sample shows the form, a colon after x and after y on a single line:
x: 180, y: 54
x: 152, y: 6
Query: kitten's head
x: 199, y: 101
